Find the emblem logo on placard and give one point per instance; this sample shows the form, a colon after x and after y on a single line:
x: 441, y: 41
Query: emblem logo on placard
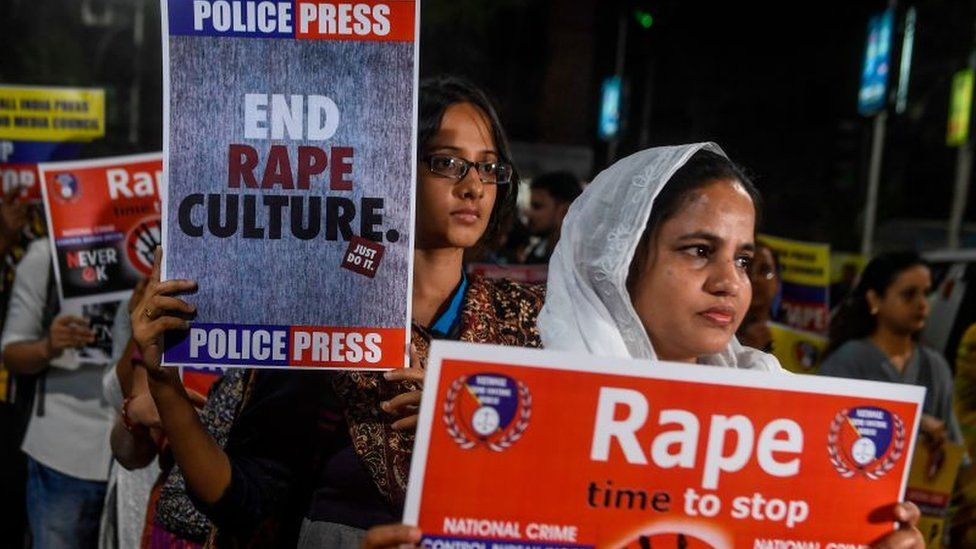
x: 67, y: 188
x: 141, y: 242
x: 487, y: 409
x: 866, y: 441
x: 807, y: 355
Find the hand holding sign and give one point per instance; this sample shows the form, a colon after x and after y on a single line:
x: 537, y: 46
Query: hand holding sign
x: 391, y: 536
x: 68, y: 332
x: 406, y: 406
x: 156, y: 313
x: 908, y: 535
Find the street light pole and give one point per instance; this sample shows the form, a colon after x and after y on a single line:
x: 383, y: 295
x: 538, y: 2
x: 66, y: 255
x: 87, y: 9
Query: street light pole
x: 618, y: 71
x: 964, y: 170
x: 874, y: 182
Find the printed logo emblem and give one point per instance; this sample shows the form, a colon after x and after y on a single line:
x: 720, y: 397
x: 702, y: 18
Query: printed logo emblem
x: 66, y: 188
x: 488, y: 409
x: 807, y: 355
x: 865, y: 441
x: 141, y: 242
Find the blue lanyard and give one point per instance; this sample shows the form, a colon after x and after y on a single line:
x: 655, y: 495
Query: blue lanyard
x: 445, y: 324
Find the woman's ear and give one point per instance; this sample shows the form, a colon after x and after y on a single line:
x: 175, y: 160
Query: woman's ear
x: 874, y: 301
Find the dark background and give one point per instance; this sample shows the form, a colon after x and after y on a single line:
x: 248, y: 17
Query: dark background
x: 775, y: 84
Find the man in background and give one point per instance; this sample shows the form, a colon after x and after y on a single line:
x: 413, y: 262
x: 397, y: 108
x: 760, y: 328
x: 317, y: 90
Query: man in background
x: 552, y: 193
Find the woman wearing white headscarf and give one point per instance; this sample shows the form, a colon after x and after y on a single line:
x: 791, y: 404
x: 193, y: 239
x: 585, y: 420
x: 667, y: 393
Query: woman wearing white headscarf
x: 653, y: 263
x: 598, y: 262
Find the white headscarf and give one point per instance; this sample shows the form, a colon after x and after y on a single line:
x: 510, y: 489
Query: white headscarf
x: 587, y: 306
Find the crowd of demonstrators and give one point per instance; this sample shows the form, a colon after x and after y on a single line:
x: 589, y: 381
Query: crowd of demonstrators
x: 963, y: 528
x: 20, y: 224
x: 67, y: 434
x: 655, y: 260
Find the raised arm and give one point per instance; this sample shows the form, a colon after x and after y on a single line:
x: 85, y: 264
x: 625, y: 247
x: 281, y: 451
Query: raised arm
x: 204, y: 463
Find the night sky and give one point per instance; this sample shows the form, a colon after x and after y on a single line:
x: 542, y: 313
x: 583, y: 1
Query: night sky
x: 774, y: 83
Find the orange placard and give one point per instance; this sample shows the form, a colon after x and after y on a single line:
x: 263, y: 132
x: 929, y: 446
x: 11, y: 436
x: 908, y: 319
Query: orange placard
x: 538, y: 449
x: 23, y: 176
x: 367, y: 20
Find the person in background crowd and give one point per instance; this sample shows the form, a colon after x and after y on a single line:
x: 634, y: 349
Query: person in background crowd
x: 20, y: 224
x: 552, y: 194
x: 653, y: 263
x: 356, y: 425
x: 151, y: 508
x: 506, y: 246
x: 874, y: 336
x: 963, y: 528
x: 840, y: 289
x: 128, y: 491
x: 67, y: 435
x: 764, y: 276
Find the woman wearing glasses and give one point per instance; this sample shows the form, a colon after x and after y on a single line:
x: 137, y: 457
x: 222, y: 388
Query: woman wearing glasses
x: 332, y: 450
x: 466, y: 187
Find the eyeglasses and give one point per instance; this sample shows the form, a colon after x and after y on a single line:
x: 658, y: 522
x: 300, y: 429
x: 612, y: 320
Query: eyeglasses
x: 490, y: 173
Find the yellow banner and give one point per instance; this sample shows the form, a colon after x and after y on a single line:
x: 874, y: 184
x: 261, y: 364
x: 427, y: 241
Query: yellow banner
x: 930, y: 483
x: 51, y: 114
x: 845, y: 266
x: 964, y: 518
x: 797, y: 350
x: 800, y: 262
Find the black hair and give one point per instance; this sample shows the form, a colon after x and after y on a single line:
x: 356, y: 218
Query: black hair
x: 853, y: 319
x: 436, y: 95
x: 564, y: 187
x: 702, y: 169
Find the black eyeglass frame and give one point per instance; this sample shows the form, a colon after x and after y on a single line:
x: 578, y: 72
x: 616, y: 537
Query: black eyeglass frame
x: 467, y: 166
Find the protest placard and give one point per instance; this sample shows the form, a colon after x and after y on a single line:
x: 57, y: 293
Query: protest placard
x: 798, y: 351
x: 539, y: 449
x: 103, y: 218
x: 931, y: 480
x: 804, y: 273
x: 44, y: 124
x: 44, y: 113
x: 290, y: 133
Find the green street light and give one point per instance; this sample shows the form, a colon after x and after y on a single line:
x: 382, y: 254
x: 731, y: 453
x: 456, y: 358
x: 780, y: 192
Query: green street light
x: 644, y: 18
